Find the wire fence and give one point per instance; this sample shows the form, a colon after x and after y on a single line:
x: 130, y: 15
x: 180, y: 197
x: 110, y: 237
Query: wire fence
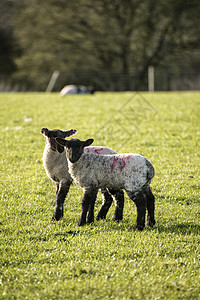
x: 108, y: 81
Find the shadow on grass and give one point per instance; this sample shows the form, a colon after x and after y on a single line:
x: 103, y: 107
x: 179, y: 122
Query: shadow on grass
x: 123, y: 228
x: 180, y: 229
x: 185, y: 229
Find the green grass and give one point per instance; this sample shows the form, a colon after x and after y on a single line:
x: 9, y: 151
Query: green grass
x: 44, y: 260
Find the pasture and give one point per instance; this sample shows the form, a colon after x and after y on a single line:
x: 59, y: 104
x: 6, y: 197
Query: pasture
x: 40, y: 259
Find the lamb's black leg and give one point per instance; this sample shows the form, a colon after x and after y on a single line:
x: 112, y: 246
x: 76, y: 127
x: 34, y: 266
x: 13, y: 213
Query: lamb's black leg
x: 90, y: 216
x: 107, y: 201
x: 141, y: 204
x: 119, y: 204
x: 88, y: 202
x: 57, y: 188
x: 60, y: 198
x: 150, y: 207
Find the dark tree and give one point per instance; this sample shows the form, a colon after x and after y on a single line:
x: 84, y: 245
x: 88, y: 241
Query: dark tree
x: 8, y: 52
x: 9, y: 47
x: 102, y: 40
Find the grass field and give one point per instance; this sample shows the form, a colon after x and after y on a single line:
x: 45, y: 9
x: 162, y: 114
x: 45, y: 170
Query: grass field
x: 44, y: 260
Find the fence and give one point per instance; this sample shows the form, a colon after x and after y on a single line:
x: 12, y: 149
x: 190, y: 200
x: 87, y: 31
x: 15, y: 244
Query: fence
x: 107, y: 81
x: 157, y: 80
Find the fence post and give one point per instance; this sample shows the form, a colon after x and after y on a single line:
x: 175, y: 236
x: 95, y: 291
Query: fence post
x: 151, y: 78
x: 52, y: 81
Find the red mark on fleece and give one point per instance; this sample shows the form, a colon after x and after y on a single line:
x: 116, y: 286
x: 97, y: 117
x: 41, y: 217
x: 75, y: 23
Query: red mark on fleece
x: 123, y: 163
x: 97, y: 150
x: 122, y: 160
x: 115, y: 160
x: 87, y: 150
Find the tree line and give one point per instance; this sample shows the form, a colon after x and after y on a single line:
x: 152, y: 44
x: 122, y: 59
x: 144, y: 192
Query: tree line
x: 96, y: 41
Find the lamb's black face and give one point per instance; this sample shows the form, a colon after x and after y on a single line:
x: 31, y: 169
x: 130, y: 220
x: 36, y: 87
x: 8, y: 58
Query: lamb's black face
x: 75, y: 149
x: 53, y: 134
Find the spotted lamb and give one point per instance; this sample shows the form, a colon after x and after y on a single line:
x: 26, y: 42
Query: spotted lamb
x: 131, y: 172
x: 56, y: 166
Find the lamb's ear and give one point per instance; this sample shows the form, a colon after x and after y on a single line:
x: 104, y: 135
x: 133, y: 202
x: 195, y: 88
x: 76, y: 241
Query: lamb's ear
x: 61, y: 141
x: 88, y: 142
x: 70, y: 132
x: 45, y: 131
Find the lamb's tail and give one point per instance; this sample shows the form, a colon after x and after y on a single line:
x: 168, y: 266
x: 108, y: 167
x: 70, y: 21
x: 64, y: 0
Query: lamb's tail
x: 150, y: 171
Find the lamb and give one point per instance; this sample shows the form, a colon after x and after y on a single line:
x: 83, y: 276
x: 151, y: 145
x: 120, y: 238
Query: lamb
x: 56, y: 166
x: 131, y: 172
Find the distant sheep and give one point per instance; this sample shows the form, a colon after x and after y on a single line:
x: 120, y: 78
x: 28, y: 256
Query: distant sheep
x: 131, y: 172
x: 56, y: 166
x: 76, y: 89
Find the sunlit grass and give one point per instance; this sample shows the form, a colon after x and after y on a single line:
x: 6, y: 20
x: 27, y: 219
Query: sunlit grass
x: 44, y: 260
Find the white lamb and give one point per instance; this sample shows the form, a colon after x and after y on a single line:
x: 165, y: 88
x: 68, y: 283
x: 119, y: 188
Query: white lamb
x: 56, y: 166
x: 131, y: 172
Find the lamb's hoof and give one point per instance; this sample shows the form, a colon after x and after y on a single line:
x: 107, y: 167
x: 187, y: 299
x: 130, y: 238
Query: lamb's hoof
x: 117, y: 218
x: 100, y: 217
x: 118, y: 215
x: 150, y: 222
x: 90, y: 222
x: 101, y: 214
x: 139, y: 228
x: 58, y: 214
x: 81, y: 223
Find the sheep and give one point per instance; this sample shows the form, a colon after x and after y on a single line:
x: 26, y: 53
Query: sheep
x: 75, y: 89
x: 56, y: 166
x: 131, y: 172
